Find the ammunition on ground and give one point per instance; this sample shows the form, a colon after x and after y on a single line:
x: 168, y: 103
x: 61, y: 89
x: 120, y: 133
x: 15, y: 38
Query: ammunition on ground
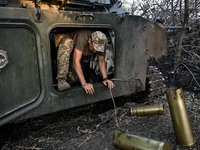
x: 129, y: 142
x: 180, y: 119
x: 147, y: 110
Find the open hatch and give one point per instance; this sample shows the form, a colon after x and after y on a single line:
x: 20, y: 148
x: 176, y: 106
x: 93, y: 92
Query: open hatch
x: 89, y: 63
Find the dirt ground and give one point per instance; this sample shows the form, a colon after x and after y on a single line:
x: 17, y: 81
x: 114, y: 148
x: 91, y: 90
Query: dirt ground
x: 81, y: 128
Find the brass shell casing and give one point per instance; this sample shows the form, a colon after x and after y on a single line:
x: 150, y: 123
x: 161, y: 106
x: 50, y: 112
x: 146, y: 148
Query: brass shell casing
x: 129, y: 142
x: 179, y: 115
x: 147, y: 110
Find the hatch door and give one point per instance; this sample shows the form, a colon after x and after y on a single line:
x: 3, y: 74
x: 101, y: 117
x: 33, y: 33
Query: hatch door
x: 19, y: 78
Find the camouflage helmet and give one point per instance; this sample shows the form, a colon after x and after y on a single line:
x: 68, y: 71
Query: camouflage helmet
x: 98, y: 41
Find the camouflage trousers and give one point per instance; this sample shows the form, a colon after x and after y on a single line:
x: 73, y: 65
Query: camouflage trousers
x: 63, y: 57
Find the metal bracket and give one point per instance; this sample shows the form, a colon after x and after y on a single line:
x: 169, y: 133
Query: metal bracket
x: 121, y: 18
x: 3, y: 59
x: 119, y: 3
x: 37, y: 14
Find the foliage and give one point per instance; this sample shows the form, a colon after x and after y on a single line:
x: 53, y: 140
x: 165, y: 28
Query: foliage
x: 171, y: 10
x: 186, y: 45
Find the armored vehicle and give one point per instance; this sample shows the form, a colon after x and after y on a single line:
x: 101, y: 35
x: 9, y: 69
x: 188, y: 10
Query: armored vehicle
x: 28, y: 85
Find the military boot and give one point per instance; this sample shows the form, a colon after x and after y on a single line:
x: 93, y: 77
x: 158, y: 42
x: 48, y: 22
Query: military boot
x: 62, y: 85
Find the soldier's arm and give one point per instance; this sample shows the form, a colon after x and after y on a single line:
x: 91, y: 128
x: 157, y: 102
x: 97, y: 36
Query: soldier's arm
x: 88, y: 87
x: 102, y: 66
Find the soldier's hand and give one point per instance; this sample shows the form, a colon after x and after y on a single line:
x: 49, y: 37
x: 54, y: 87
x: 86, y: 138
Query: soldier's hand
x: 88, y: 87
x: 109, y: 83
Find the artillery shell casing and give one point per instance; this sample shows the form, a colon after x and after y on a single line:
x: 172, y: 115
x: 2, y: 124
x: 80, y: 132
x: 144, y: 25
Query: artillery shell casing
x: 147, y: 110
x: 129, y: 142
x: 179, y: 115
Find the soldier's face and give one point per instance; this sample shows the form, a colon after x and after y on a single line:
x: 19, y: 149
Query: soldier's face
x: 91, y: 45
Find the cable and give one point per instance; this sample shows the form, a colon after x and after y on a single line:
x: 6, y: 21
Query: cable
x: 115, y: 112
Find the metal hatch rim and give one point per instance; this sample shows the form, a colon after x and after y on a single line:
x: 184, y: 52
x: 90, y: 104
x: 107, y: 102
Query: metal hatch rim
x: 75, y: 25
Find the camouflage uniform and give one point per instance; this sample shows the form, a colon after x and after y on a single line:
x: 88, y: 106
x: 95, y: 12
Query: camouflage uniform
x: 98, y: 41
x: 63, y: 56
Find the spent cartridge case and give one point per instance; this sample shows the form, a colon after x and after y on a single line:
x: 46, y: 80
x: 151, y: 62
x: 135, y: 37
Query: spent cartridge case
x: 129, y: 142
x: 147, y: 110
x: 180, y: 118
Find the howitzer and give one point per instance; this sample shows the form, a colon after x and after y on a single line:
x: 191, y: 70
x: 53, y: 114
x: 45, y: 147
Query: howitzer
x: 27, y: 28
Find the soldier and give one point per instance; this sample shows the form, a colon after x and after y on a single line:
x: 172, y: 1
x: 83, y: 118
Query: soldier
x: 86, y: 43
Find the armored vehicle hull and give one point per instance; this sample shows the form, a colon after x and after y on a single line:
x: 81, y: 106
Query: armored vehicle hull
x: 28, y: 54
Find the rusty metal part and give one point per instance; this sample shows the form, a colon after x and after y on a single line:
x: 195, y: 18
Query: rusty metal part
x: 180, y: 119
x: 129, y: 142
x: 147, y: 110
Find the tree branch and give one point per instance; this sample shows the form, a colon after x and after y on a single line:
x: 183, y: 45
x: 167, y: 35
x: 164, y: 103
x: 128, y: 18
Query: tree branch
x: 186, y: 17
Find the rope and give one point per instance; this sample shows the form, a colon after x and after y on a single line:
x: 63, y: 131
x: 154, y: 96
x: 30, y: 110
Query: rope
x: 115, y: 112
